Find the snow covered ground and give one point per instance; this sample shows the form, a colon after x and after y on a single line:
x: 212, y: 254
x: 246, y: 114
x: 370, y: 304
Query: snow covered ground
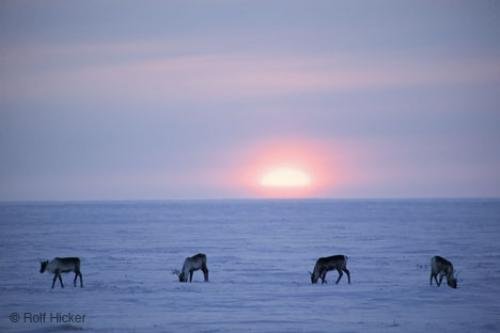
x: 259, y: 253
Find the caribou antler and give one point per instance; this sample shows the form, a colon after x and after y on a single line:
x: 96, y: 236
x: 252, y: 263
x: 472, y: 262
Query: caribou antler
x: 176, y: 272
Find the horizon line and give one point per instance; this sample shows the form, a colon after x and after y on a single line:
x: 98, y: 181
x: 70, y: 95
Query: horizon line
x: 416, y: 198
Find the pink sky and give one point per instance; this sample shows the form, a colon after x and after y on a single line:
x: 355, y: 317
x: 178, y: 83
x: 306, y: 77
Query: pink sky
x: 181, y: 100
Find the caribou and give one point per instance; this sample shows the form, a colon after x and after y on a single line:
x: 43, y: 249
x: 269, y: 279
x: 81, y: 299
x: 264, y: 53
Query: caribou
x: 325, y: 264
x: 191, y: 264
x: 62, y: 265
x: 442, y: 267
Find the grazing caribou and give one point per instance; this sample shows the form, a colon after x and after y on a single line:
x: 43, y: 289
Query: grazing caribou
x: 62, y: 265
x: 325, y: 264
x: 442, y: 267
x: 191, y: 264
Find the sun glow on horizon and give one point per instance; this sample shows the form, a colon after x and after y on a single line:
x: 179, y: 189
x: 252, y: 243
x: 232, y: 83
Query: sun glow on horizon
x: 285, y: 177
x: 291, y: 168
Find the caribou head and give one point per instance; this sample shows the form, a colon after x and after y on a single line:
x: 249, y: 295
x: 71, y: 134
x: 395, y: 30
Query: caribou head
x: 43, y: 265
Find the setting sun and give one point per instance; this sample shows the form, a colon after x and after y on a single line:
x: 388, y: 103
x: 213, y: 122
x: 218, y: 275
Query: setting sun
x: 291, y: 168
x: 285, y: 177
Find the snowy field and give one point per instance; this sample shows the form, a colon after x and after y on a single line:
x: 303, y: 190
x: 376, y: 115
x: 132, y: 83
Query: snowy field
x: 259, y: 253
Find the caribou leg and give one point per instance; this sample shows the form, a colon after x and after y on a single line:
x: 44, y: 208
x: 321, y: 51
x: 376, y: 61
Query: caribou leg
x: 440, y: 279
x: 205, y: 272
x: 78, y: 274
x: 348, y: 275
x: 54, y: 280
x: 340, y: 276
x: 60, y: 279
x: 323, y: 276
x: 190, y: 276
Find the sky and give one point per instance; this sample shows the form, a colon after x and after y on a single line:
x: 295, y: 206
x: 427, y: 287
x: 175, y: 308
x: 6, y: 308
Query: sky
x: 129, y: 100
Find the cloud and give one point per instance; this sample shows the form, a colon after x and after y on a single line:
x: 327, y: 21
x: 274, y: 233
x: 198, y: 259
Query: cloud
x: 149, y: 72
